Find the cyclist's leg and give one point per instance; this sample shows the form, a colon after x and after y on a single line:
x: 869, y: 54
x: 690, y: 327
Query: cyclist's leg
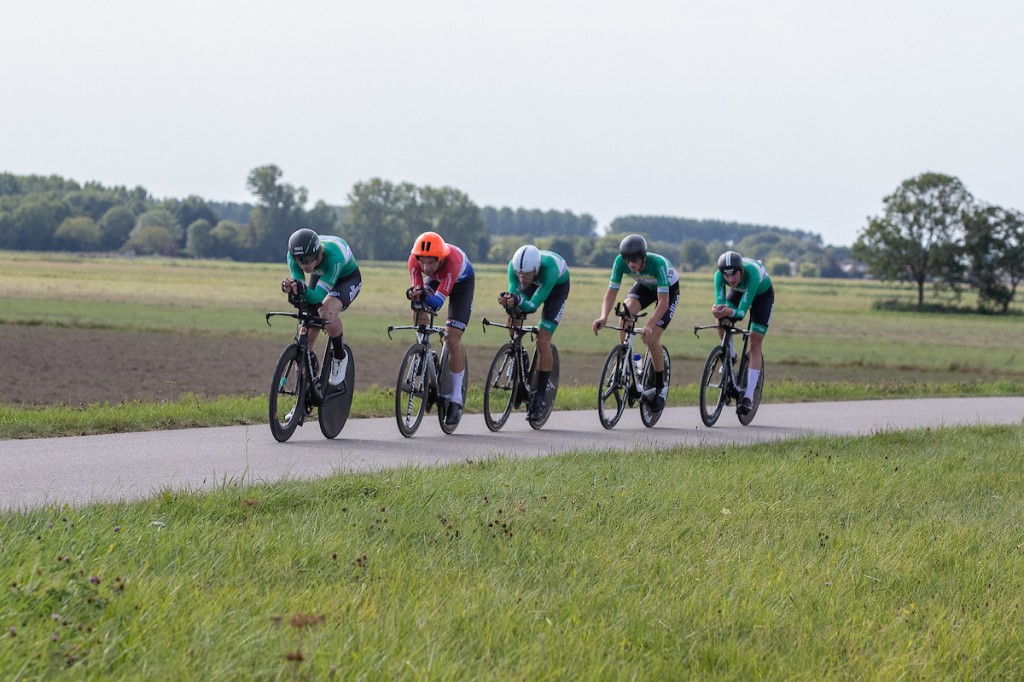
x: 336, y: 301
x: 460, y: 307
x: 551, y: 315
x: 760, y: 318
x: 733, y: 299
x: 644, y: 297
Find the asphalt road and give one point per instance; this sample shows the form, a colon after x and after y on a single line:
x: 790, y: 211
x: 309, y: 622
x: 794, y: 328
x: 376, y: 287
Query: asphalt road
x: 131, y: 466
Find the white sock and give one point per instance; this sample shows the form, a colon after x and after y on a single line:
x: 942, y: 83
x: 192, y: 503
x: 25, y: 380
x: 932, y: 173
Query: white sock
x: 752, y: 377
x: 732, y: 350
x: 457, y: 386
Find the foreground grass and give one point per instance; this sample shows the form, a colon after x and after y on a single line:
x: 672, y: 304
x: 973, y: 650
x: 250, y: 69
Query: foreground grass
x: 195, y: 411
x: 899, y: 555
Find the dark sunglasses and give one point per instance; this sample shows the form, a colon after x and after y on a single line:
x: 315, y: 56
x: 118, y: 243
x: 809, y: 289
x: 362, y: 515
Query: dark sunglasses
x: 305, y: 260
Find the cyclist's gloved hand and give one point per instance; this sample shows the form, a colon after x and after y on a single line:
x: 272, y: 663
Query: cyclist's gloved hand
x: 293, y: 286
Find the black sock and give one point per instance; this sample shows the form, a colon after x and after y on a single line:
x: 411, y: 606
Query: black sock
x: 542, y: 380
x: 659, y: 379
x: 339, y: 346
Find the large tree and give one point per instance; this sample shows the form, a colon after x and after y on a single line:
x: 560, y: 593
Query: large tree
x: 994, y: 254
x: 918, y: 236
x: 278, y: 213
x: 384, y: 218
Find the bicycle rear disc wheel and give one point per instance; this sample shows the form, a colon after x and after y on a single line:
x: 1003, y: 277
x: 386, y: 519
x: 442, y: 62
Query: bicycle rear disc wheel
x: 745, y: 419
x: 444, y: 378
x: 648, y: 416
x: 611, y: 398
x: 500, y: 388
x: 337, y: 399
x: 713, y: 387
x: 411, y: 390
x: 552, y: 389
x: 286, y: 403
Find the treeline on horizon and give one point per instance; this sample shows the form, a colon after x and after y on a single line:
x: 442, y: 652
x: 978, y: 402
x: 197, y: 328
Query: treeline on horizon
x: 52, y: 213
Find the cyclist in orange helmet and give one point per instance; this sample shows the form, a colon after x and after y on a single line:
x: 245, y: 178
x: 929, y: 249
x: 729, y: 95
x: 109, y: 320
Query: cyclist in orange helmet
x: 438, y: 272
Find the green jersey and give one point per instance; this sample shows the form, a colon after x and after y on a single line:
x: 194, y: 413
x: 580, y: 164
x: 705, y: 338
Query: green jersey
x: 657, y: 274
x: 755, y: 281
x: 553, y: 271
x: 338, y: 262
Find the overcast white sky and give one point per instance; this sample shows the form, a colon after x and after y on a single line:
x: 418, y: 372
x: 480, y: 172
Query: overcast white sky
x: 799, y: 113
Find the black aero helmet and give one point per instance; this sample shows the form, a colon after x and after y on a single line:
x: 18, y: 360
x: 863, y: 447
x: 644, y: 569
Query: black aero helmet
x: 730, y: 262
x: 304, y: 245
x: 633, y: 246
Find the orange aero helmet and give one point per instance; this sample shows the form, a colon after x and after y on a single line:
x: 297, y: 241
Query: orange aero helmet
x: 430, y: 244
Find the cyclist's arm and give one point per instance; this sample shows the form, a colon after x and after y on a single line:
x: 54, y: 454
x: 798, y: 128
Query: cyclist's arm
x: 540, y: 295
x: 752, y: 278
x: 608, y: 303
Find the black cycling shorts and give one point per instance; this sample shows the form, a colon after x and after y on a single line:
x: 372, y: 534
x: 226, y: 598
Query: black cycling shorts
x: 646, y: 296
x: 760, y: 308
x: 347, y: 288
x: 460, y: 301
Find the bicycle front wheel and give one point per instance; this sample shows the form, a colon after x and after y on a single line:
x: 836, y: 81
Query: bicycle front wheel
x: 444, y: 378
x: 649, y: 416
x: 500, y: 388
x: 611, y: 393
x: 411, y: 390
x: 713, y: 387
x: 337, y: 399
x: 287, y: 395
x: 550, y: 392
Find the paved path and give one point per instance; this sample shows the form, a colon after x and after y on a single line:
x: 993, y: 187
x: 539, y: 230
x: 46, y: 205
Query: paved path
x: 139, y: 465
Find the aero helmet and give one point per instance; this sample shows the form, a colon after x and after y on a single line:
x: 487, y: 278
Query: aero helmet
x: 526, y: 259
x: 730, y: 262
x: 304, y: 245
x: 430, y: 244
x: 632, y: 246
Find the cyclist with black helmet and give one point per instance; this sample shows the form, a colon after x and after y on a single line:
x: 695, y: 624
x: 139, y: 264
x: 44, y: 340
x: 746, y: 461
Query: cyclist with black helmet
x: 656, y: 281
x: 538, y: 278
x: 334, y: 282
x: 742, y: 285
x: 439, y: 272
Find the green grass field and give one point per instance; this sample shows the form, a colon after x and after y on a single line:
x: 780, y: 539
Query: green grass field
x: 898, y: 556
x: 825, y: 334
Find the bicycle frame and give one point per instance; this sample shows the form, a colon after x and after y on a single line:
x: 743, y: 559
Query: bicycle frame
x: 423, y: 333
x: 306, y: 320
x: 419, y: 385
x: 721, y: 381
x: 518, y: 331
x: 733, y: 382
x: 628, y: 327
x: 622, y: 382
x: 296, y: 376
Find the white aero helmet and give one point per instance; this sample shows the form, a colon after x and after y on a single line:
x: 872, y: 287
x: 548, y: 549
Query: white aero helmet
x: 526, y: 259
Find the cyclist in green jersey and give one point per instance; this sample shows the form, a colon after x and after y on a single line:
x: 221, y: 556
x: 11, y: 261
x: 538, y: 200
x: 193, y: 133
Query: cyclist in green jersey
x: 741, y: 285
x: 538, y: 278
x: 334, y: 282
x: 656, y: 282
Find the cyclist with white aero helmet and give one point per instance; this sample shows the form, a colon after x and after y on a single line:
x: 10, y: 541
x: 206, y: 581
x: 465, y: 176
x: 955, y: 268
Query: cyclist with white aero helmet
x: 741, y: 285
x: 656, y: 282
x: 440, y: 272
x: 538, y: 278
x: 334, y: 282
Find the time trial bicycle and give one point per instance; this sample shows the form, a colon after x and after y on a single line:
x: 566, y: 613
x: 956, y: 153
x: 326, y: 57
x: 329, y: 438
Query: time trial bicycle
x: 626, y: 376
x: 300, y: 384
x: 719, y: 384
x: 423, y: 377
x: 512, y: 377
